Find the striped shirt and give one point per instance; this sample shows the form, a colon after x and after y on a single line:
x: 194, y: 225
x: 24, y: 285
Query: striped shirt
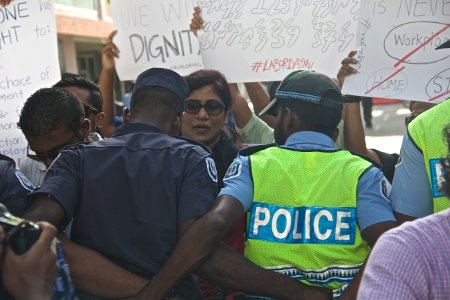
x: 410, y: 262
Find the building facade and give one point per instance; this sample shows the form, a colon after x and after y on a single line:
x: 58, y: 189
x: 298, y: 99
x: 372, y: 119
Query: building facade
x: 82, y: 26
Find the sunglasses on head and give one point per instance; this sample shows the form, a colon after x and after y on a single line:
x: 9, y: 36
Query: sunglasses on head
x: 212, y: 107
x: 88, y: 110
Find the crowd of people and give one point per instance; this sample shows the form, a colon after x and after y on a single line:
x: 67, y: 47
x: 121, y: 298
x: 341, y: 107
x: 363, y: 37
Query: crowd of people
x: 190, y: 194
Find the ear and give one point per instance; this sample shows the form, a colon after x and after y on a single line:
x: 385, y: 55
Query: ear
x: 99, y: 119
x: 177, y: 126
x: 85, y: 128
x: 335, y: 134
x: 291, y: 122
x: 126, y: 115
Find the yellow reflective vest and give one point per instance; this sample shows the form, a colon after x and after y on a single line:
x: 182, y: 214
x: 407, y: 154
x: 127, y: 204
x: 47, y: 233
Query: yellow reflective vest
x: 303, y: 219
x: 427, y: 133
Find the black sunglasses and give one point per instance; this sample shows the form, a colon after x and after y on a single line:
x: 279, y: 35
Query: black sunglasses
x: 88, y: 110
x: 212, y: 107
x: 52, y: 155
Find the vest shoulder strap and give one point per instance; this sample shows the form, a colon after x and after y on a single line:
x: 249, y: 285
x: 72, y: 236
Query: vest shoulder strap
x: 253, y: 149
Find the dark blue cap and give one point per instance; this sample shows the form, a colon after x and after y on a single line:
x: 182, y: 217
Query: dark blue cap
x: 307, y: 86
x: 164, y: 78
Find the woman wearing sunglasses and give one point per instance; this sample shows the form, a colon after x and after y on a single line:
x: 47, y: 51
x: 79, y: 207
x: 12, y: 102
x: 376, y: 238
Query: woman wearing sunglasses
x: 206, y: 112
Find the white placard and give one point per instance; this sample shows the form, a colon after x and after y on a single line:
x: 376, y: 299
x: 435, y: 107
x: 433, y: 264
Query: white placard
x: 397, y: 56
x: 28, y: 61
x: 154, y: 34
x: 264, y: 40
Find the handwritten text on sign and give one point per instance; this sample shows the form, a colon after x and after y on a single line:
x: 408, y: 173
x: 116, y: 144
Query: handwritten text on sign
x: 28, y: 61
x: 155, y: 34
x: 267, y: 39
x: 396, y: 52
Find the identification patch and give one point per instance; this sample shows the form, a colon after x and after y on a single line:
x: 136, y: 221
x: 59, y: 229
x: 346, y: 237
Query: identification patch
x: 302, y: 225
x: 437, y: 178
x: 211, y: 167
x: 24, y: 181
x: 234, y: 170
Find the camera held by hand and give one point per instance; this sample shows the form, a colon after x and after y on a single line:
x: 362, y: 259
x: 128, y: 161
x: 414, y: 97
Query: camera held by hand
x: 20, y: 234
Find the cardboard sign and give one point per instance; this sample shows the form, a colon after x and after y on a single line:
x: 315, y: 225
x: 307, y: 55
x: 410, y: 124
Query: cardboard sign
x: 154, y: 34
x: 396, y: 53
x: 28, y: 61
x: 264, y: 40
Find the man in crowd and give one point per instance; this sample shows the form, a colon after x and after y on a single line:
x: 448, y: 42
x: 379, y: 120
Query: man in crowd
x: 90, y: 97
x: 52, y: 119
x: 417, y: 188
x: 411, y: 261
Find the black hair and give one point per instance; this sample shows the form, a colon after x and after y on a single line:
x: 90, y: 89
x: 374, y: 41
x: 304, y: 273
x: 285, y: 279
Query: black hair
x: 204, y: 77
x: 315, y: 117
x: 158, y: 103
x: 49, y: 108
x: 71, y: 79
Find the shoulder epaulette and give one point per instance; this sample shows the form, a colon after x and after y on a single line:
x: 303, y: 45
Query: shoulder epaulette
x: 194, y: 143
x: 253, y: 149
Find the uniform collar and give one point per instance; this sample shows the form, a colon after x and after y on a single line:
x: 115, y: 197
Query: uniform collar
x: 136, y: 128
x: 309, y: 140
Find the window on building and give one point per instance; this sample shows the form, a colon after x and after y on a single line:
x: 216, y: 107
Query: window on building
x: 89, y: 65
x: 86, y: 4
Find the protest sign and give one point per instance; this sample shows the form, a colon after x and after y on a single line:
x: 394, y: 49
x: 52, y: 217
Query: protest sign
x: 396, y: 50
x: 28, y: 61
x: 265, y: 40
x: 155, y: 34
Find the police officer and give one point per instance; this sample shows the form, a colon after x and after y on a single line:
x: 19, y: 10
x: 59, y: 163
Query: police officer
x: 314, y: 211
x: 14, y: 186
x: 417, y: 189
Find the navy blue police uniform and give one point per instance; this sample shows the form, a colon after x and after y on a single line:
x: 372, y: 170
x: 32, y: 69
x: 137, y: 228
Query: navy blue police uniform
x: 128, y: 207
x: 14, y: 186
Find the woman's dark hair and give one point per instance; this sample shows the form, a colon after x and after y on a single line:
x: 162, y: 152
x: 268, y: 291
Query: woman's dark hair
x: 205, y: 77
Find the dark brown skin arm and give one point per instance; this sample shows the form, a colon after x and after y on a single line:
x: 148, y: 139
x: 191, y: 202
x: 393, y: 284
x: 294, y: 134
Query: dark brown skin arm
x: 91, y: 272
x: 401, y: 218
x: 260, y: 100
x: 201, y: 242
x: 240, y: 109
x: 221, y: 266
x: 94, y: 274
x: 106, y: 83
x: 354, y: 135
x: 370, y: 235
x: 194, y: 246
